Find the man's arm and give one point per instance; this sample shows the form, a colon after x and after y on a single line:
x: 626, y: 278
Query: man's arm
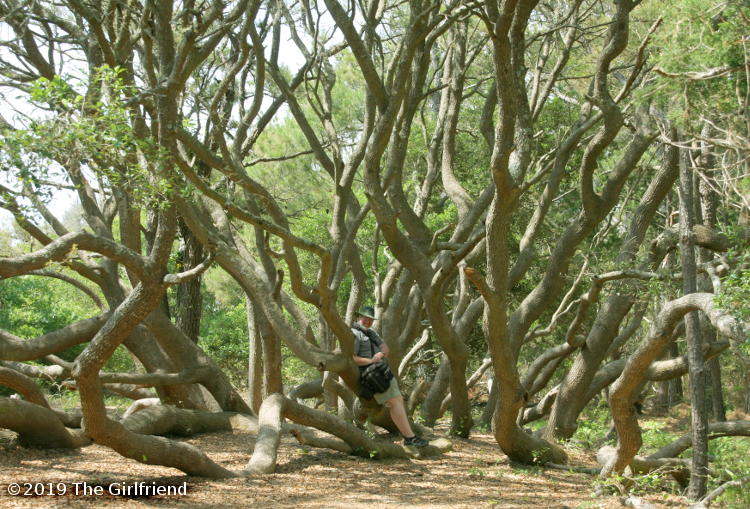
x: 384, y: 348
x: 366, y: 361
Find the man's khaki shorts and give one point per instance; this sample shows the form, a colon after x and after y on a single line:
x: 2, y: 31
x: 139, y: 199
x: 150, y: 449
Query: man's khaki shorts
x: 391, y: 392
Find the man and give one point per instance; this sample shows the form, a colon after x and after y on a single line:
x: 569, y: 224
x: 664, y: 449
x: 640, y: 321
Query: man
x: 370, y: 348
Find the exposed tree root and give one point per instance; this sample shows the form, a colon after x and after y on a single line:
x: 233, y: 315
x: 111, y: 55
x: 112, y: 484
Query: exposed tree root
x: 156, y: 450
x: 572, y: 468
x: 169, y: 420
x: 277, y: 406
x: 38, y: 426
x: 318, y: 439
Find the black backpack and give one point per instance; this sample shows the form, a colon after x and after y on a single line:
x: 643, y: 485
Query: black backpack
x: 375, y: 378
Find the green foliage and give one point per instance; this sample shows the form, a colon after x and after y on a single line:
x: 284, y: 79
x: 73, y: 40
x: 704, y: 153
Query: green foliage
x: 654, y: 436
x: 293, y: 370
x: 32, y: 306
x: 735, y: 294
x: 90, y: 132
x: 224, y: 337
x: 640, y: 484
x: 69, y: 400
x: 224, y: 334
x: 593, y: 426
x: 699, y: 35
x: 730, y: 462
x: 735, y: 286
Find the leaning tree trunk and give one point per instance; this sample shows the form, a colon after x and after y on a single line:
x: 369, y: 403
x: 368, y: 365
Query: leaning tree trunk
x: 570, y: 398
x: 512, y: 439
x: 143, y: 448
x: 624, y: 390
x: 431, y: 404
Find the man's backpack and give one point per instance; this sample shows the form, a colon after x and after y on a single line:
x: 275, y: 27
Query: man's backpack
x: 376, y: 377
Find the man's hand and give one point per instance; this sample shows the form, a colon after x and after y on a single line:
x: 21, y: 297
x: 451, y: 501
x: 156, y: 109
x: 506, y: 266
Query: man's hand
x: 377, y: 357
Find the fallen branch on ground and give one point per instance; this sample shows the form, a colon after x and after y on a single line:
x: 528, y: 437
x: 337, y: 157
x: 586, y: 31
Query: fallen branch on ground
x: 706, y: 501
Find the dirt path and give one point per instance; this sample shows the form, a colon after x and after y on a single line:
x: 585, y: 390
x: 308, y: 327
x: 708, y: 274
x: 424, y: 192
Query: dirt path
x: 474, y: 475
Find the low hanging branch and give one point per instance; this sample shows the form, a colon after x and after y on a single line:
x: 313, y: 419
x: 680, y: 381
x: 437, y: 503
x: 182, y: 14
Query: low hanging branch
x: 187, y: 376
x: 62, y: 247
x: 715, y: 430
x: 13, y: 348
x: 26, y: 387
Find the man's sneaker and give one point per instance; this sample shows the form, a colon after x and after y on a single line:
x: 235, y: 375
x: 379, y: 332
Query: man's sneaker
x: 415, y: 441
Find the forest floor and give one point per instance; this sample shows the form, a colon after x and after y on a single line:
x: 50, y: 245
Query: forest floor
x: 475, y: 474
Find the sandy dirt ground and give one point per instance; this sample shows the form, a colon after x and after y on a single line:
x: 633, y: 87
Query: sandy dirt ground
x: 475, y: 474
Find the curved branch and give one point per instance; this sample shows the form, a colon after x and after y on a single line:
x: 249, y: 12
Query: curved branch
x: 169, y: 420
x: 187, y: 376
x: 61, y: 248
x: 357, y: 46
x: 54, y: 372
x: 17, y: 349
x: 706, y: 501
x: 24, y: 386
x: 78, y: 284
x: 183, y: 277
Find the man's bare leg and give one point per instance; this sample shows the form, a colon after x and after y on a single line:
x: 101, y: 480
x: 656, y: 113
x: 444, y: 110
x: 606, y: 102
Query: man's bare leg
x: 398, y: 415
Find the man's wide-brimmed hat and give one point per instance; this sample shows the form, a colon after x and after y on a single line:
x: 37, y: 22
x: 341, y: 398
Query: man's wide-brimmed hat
x: 367, y: 311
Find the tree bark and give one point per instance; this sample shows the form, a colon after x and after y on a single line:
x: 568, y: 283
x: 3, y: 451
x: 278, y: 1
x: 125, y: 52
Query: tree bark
x: 699, y: 472
x: 570, y: 398
x: 706, y: 208
x: 38, y: 426
x: 255, y: 361
x: 189, y: 299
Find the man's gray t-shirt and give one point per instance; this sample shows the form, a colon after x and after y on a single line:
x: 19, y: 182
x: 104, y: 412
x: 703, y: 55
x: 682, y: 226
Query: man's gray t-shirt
x: 363, y: 346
